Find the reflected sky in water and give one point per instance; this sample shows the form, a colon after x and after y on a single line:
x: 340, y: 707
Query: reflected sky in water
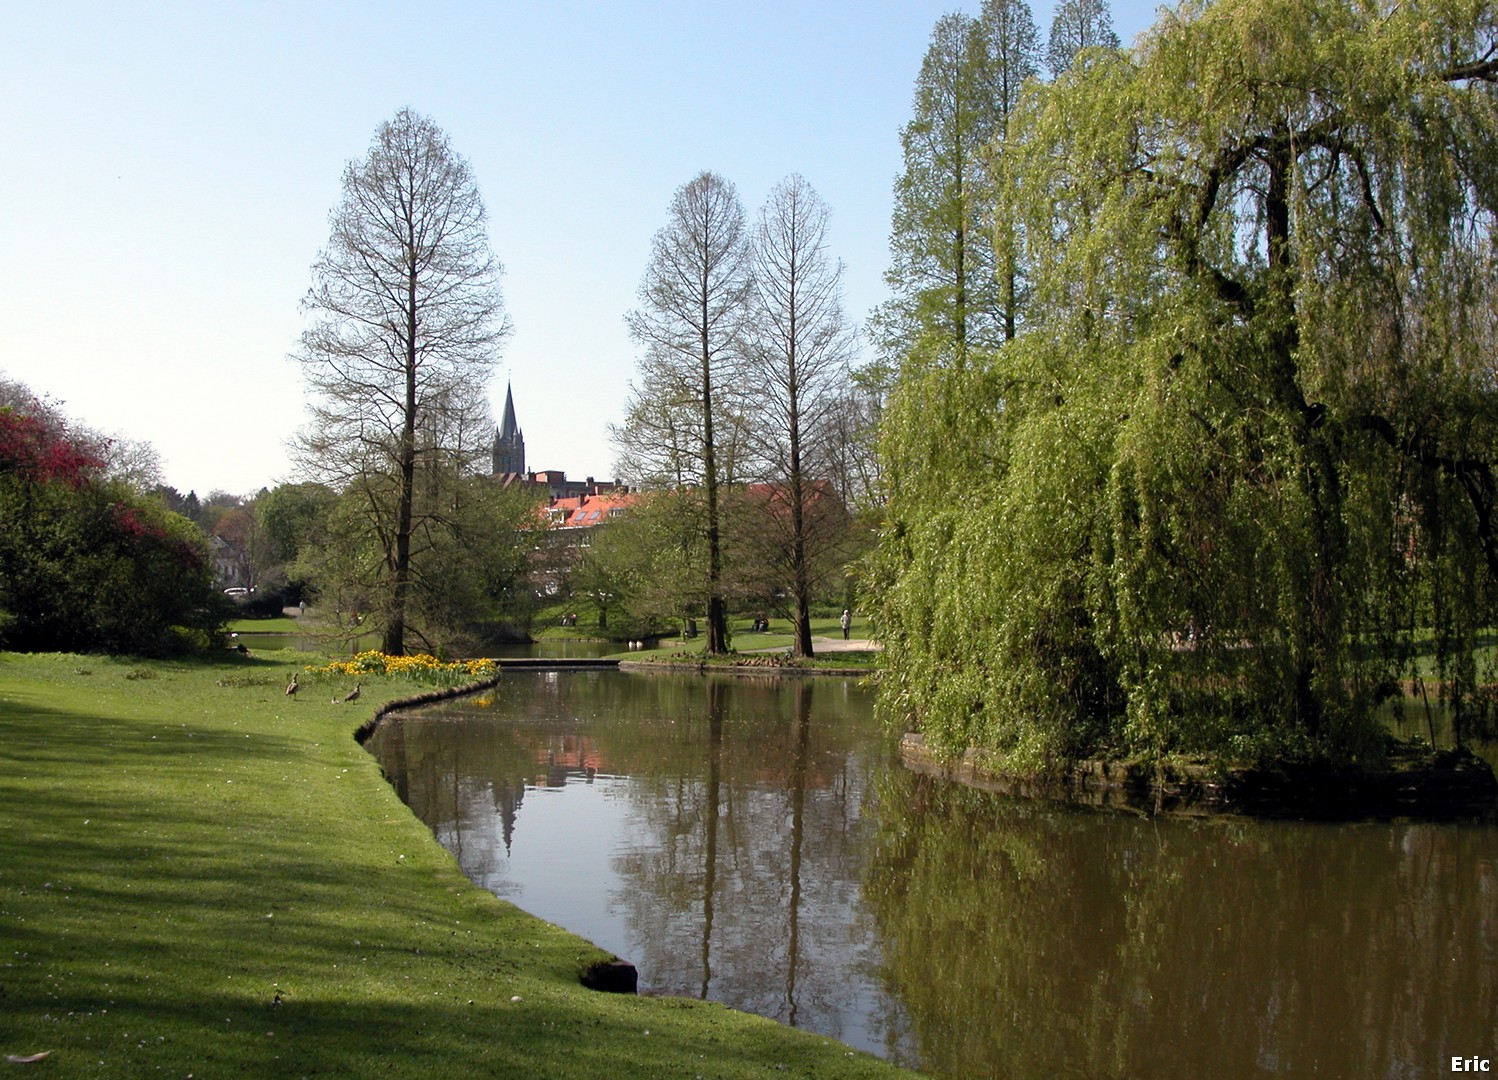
x: 755, y: 842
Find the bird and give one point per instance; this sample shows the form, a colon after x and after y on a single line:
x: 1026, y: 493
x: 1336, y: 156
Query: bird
x: 352, y: 695
x: 292, y: 687
x: 240, y: 648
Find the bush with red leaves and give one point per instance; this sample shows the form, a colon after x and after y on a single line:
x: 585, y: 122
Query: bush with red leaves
x: 85, y: 564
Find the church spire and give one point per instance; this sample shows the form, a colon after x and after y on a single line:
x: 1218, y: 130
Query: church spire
x: 508, y: 429
x: 509, y: 443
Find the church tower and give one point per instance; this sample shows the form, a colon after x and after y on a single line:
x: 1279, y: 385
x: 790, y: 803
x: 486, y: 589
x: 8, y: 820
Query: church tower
x: 509, y: 444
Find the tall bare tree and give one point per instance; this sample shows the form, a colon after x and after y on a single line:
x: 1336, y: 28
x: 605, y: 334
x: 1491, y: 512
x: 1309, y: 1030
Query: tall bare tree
x: 692, y: 302
x: 1078, y: 25
x: 798, y: 349
x: 406, y: 320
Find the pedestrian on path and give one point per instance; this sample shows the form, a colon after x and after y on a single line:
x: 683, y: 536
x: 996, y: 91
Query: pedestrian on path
x: 847, y: 623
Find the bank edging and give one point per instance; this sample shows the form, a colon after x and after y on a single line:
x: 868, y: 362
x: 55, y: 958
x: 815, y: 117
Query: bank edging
x: 1439, y: 785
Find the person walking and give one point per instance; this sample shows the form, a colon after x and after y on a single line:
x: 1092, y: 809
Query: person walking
x: 847, y: 623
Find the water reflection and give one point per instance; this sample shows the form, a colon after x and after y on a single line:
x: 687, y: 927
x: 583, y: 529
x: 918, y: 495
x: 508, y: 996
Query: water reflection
x: 754, y: 843
x: 1114, y: 946
x: 705, y: 829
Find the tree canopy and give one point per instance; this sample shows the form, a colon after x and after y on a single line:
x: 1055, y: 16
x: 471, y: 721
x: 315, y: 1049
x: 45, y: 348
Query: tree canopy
x: 689, y: 326
x: 1237, y: 468
x: 798, y: 348
x: 1078, y: 25
x: 405, y: 330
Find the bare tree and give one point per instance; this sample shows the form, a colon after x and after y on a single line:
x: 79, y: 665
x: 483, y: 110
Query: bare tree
x: 692, y: 307
x: 856, y: 471
x: 798, y: 349
x: 1078, y: 25
x: 660, y: 441
x: 406, y: 321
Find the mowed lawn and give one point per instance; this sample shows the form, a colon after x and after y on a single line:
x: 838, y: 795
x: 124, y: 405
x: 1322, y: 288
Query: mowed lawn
x: 200, y: 876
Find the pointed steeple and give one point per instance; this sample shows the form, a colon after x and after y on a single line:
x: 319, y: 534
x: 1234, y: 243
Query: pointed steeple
x: 508, y: 429
x: 509, y: 443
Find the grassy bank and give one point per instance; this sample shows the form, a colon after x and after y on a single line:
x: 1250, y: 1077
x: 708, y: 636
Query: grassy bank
x: 200, y: 876
x: 690, y: 655
x: 279, y: 624
x: 827, y: 637
x: 547, y: 626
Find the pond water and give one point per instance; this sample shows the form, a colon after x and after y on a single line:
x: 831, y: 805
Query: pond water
x: 757, y: 842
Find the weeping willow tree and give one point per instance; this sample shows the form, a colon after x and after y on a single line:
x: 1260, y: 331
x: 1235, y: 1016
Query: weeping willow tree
x: 1238, y: 468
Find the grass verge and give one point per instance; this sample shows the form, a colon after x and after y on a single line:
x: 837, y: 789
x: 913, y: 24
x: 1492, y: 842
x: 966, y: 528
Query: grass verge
x: 691, y: 656
x: 547, y: 626
x: 200, y: 876
x: 279, y: 624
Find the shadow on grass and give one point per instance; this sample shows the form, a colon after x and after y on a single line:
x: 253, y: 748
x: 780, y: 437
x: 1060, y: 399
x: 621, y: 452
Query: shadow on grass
x: 179, y: 855
x: 464, y: 1033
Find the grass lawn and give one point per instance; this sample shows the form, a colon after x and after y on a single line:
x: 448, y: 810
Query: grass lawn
x: 202, y: 877
x: 747, y: 643
x: 547, y: 625
x: 280, y: 624
x: 691, y: 654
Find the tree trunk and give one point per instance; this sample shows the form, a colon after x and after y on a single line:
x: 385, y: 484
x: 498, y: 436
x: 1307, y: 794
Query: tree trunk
x: 1317, y: 647
x: 717, y: 617
x: 395, y: 625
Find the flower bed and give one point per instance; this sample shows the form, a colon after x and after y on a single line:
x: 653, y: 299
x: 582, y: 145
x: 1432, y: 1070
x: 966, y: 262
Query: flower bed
x: 421, y: 668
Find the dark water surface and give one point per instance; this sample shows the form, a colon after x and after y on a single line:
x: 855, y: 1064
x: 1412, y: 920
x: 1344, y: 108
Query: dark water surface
x: 757, y: 843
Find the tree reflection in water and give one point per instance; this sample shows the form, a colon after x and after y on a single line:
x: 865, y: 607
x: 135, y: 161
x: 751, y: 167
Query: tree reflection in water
x: 1097, y: 945
x: 719, y: 843
x: 754, y: 841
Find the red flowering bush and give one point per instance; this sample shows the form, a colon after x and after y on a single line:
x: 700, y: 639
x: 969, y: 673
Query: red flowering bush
x: 86, y: 565
x: 31, y: 449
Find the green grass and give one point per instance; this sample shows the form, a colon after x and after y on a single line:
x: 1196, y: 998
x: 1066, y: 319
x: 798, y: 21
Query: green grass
x: 547, y: 626
x: 779, y: 636
x: 547, y: 622
x: 691, y: 654
x: 748, y: 643
x: 1486, y: 653
x: 280, y: 624
x: 200, y: 876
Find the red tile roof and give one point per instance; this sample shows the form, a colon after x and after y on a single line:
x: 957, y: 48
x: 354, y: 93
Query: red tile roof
x: 585, y: 511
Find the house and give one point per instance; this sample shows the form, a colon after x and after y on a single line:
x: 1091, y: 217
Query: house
x: 231, y: 566
x: 589, y: 510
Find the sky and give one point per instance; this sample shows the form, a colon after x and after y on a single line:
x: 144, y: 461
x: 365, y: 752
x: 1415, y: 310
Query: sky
x: 167, y: 171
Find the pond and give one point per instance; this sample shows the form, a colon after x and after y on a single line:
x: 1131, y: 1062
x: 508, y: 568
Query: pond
x: 756, y: 842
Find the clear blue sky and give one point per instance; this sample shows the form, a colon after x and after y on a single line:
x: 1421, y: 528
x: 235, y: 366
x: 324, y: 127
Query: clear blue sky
x: 167, y: 169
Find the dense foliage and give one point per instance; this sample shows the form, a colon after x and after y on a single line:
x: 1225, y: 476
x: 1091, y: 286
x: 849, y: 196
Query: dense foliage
x: 469, y: 567
x: 1237, y: 466
x: 85, y: 563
